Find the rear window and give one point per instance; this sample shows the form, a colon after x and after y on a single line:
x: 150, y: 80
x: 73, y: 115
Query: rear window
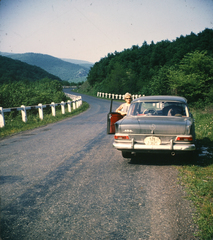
x: 158, y: 108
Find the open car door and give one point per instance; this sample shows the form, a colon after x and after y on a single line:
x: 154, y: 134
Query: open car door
x: 112, y: 118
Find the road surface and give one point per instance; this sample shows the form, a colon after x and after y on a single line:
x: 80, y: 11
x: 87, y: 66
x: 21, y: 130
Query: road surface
x: 66, y: 181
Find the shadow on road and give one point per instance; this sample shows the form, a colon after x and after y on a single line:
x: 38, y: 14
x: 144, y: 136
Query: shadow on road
x: 162, y: 159
x: 202, y: 157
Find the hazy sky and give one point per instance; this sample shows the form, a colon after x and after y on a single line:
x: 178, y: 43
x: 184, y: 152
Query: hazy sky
x: 90, y: 29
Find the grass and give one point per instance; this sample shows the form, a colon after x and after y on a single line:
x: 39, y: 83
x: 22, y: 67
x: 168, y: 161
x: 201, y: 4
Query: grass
x: 15, y: 125
x: 197, y: 178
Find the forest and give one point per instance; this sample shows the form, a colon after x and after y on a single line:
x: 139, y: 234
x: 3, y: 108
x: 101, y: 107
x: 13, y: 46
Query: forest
x: 181, y: 67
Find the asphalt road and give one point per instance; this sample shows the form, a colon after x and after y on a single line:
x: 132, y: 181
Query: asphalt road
x: 66, y: 181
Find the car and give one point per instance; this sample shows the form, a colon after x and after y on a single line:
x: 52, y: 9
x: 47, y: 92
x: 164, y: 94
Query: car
x: 153, y: 124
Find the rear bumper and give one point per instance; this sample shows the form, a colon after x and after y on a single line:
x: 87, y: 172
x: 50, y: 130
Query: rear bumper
x: 138, y: 147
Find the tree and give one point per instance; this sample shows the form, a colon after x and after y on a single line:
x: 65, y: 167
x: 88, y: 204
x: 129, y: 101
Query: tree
x: 193, y: 77
x: 159, y: 84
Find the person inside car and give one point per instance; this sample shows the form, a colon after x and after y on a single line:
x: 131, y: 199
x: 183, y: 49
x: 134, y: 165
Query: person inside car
x: 123, y: 108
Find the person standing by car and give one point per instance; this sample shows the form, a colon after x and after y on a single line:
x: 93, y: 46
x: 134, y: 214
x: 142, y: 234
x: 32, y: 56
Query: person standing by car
x: 123, y: 108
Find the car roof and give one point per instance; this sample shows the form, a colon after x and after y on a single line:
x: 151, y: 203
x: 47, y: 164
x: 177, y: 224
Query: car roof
x: 161, y: 98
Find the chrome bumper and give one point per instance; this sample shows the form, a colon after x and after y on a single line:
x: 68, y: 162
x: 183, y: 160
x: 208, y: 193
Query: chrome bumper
x: 167, y: 147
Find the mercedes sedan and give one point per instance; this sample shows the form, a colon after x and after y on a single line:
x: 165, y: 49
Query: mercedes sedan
x: 154, y: 124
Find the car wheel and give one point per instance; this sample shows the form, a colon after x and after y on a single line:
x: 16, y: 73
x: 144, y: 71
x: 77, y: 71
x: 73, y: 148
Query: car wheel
x: 126, y: 154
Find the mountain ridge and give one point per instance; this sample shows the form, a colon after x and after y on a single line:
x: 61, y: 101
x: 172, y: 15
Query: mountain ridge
x: 12, y: 70
x: 65, y: 70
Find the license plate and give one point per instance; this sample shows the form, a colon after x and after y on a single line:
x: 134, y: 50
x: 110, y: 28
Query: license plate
x: 152, y: 141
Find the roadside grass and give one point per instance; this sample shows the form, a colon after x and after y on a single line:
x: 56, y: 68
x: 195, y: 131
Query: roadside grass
x: 197, y: 178
x: 15, y: 125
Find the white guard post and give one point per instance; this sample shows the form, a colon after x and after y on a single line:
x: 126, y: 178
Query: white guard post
x: 23, y: 113
x: 2, y: 122
x: 40, y: 111
x: 63, y: 107
x: 53, y: 109
x: 69, y: 106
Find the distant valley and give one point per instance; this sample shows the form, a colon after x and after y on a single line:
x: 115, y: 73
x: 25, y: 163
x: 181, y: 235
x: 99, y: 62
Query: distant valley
x: 70, y: 70
x: 82, y: 63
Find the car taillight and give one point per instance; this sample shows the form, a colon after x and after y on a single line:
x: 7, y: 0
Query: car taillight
x: 184, y: 138
x: 121, y: 137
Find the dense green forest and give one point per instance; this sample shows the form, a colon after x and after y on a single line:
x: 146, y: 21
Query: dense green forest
x: 181, y: 67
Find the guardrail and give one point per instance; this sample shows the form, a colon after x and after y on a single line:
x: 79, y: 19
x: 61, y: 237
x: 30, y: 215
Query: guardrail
x: 76, y: 103
x: 115, y: 96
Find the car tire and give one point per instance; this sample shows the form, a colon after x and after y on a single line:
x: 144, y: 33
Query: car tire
x: 126, y: 154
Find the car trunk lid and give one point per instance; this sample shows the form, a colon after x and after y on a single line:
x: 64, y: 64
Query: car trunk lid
x: 162, y: 125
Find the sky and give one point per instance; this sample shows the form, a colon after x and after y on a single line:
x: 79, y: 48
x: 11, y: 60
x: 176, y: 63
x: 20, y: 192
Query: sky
x: 90, y: 29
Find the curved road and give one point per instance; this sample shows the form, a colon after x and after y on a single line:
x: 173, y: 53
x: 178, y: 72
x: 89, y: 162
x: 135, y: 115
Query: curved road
x: 66, y: 181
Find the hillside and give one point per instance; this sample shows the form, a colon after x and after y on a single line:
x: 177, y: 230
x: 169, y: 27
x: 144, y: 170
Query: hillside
x: 180, y: 67
x: 66, y: 71
x: 82, y: 63
x: 14, y: 70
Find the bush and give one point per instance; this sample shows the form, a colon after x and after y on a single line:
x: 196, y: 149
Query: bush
x: 28, y: 93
